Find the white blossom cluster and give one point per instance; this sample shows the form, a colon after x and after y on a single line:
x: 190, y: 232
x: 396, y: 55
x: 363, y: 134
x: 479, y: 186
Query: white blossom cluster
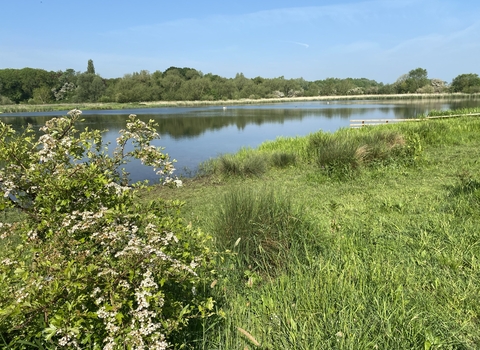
x: 48, y: 144
x: 61, y: 93
x: 141, y: 134
x: 125, y: 241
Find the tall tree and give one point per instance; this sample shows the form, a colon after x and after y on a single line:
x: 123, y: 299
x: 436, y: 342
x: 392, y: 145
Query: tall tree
x: 411, y: 82
x: 90, y: 67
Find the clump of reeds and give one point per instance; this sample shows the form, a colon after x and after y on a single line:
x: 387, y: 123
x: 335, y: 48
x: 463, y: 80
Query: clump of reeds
x: 283, y: 159
x: 334, y: 154
x: 259, y: 225
x: 346, y: 152
x: 251, y: 165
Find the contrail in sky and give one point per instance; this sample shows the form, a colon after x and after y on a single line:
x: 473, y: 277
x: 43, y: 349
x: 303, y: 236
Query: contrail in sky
x: 297, y: 43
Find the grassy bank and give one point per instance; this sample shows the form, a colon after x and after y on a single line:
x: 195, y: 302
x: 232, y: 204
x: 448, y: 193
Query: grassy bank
x: 375, y: 248
x: 23, y: 108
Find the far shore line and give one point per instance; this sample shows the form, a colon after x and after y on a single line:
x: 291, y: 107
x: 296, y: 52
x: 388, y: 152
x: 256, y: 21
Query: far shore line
x: 21, y: 108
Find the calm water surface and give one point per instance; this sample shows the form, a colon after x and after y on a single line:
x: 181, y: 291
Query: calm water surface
x: 194, y: 135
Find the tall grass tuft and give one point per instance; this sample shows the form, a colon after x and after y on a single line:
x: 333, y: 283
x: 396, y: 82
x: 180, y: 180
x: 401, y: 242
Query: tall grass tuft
x: 255, y: 165
x: 336, y: 155
x: 259, y: 225
x: 347, y: 151
x: 283, y: 159
x: 229, y: 165
x: 251, y: 165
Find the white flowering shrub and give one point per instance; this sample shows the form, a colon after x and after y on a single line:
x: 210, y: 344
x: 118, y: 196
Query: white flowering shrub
x: 90, y: 268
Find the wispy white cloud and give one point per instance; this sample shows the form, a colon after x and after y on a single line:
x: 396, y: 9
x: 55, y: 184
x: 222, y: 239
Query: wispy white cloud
x: 280, y: 16
x: 297, y: 43
x: 438, y: 44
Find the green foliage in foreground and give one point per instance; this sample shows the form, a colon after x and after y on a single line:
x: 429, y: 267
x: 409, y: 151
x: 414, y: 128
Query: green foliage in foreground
x: 87, y: 267
x: 387, y: 258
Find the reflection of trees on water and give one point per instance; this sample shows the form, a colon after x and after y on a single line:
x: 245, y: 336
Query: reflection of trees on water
x: 195, y: 123
x: 192, y: 126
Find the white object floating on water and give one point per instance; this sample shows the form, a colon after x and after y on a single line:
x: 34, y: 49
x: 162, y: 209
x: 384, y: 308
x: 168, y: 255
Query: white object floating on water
x: 224, y: 108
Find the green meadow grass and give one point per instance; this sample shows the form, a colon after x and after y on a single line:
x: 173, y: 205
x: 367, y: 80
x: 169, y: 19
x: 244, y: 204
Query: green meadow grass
x: 382, y: 255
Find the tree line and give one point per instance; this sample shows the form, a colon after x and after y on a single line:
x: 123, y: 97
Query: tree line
x: 38, y: 86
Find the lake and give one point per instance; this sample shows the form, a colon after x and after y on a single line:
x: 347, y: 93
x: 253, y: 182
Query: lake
x: 192, y: 135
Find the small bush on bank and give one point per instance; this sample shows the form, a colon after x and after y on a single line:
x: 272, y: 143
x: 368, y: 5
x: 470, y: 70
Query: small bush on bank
x: 4, y: 100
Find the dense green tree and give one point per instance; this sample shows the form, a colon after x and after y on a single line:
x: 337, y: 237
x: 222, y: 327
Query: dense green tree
x: 90, y: 88
x: 171, y: 83
x: 387, y: 89
x: 5, y: 100
x: 42, y: 95
x: 195, y: 89
x: 221, y: 88
x: 329, y: 86
x: 186, y: 73
x: 344, y: 86
x: 18, y: 84
x: 246, y: 88
x: 367, y: 86
x: 293, y: 87
x: 312, y: 90
x: 467, y: 83
x: 283, y: 87
x: 401, y: 86
x: 90, y: 67
x: 10, y: 85
x: 413, y: 81
x: 69, y: 76
x: 258, y: 80
x: 139, y: 86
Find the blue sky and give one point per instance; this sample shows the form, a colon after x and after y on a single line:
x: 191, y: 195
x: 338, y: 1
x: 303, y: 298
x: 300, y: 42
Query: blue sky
x: 378, y: 39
